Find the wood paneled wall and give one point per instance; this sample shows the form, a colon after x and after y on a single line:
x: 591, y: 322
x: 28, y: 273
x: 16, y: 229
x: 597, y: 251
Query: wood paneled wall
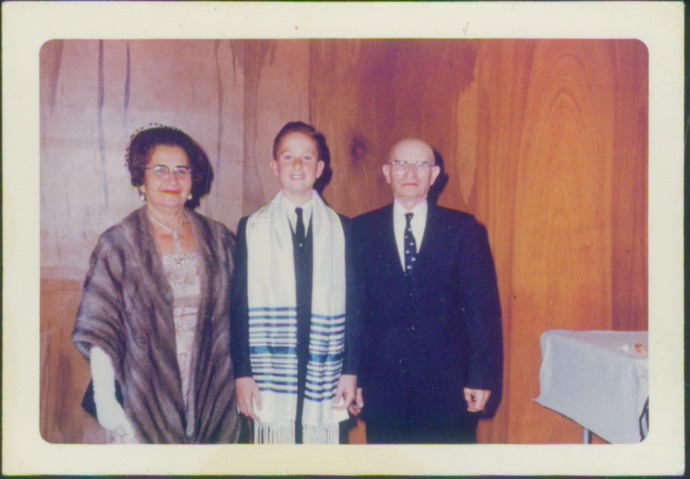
x: 545, y: 141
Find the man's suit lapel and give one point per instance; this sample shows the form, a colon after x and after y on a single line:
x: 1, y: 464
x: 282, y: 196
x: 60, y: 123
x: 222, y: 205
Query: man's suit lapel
x: 425, y: 254
x: 386, y: 241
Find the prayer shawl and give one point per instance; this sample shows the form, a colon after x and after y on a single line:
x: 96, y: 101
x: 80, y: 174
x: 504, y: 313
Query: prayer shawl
x: 273, y: 323
x: 127, y: 310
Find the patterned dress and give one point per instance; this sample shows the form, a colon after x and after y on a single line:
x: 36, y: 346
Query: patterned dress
x: 183, y: 276
x: 182, y: 273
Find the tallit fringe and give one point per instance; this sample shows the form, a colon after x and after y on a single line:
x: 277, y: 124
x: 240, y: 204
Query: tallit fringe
x: 324, y: 434
x: 285, y: 434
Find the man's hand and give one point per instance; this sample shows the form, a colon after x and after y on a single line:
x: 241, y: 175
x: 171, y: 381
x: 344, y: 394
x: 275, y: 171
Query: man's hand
x: 345, y: 393
x: 247, y: 393
x: 476, y: 399
x: 356, y: 407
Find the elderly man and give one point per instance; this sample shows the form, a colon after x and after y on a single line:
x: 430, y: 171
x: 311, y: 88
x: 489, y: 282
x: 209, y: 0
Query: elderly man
x: 430, y: 311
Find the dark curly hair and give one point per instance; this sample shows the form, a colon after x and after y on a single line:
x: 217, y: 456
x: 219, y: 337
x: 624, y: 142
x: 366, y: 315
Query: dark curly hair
x: 142, y: 145
x: 321, y: 148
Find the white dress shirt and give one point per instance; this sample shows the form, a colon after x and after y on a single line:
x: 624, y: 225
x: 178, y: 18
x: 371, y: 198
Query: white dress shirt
x: 292, y: 215
x: 418, y: 225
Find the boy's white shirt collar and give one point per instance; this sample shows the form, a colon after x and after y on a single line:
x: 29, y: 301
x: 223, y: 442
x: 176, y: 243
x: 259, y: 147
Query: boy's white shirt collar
x: 307, y: 208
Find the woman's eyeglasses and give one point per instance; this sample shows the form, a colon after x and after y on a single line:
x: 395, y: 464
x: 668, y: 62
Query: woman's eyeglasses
x: 163, y: 171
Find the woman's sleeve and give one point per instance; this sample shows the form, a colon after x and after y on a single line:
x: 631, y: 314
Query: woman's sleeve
x: 109, y: 412
x: 99, y: 320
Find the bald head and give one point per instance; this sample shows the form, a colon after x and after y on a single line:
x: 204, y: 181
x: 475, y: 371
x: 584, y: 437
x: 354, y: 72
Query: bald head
x: 411, y: 149
x: 410, y: 171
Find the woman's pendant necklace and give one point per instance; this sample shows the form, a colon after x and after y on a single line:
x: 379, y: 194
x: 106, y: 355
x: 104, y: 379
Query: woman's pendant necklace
x: 179, y: 256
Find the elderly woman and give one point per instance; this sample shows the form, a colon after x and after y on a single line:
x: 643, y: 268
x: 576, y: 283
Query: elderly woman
x: 154, y: 317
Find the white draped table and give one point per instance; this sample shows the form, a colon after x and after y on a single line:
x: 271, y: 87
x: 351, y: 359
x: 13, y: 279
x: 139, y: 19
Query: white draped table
x: 599, y: 379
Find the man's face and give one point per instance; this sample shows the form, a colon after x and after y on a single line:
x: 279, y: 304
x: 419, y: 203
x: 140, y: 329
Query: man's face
x: 411, y: 171
x: 297, y: 164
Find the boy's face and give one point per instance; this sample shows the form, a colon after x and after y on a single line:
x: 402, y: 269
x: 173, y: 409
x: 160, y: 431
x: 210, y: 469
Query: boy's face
x: 297, y: 165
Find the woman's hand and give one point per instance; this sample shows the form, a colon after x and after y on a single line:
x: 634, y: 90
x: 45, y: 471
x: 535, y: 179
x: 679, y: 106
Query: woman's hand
x: 113, y: 419
x: 109, y: 413
x: 247, y: 395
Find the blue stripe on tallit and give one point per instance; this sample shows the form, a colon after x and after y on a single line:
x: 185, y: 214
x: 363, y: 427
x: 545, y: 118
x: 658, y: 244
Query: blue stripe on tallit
x: 273, y: 342
x: 272, y: 348
x: 272, y: 310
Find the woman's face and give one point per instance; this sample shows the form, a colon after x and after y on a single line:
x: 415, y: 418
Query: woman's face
x: 168, y: 178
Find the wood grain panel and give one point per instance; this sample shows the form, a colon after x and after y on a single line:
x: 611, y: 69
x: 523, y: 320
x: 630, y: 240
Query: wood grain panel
x: 629, y: 61
x: 496, y: 106
x: 84, y: 184
x: 276, y: 91
x: 93, y: 96
x: 560, y: 276
x: 64, y: 372
x: 545, y: 142
x: 562, y: 219
x: 391, y: 93
x: 347, y: 105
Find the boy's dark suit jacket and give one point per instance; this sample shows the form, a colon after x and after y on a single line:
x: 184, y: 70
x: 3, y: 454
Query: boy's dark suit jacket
x: 436, y: 331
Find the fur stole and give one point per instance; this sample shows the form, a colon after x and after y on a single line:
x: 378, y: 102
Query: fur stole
x: 126, y: 309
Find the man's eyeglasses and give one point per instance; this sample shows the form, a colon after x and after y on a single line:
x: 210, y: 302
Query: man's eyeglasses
x: 163, y: 171
x: 410, y: 164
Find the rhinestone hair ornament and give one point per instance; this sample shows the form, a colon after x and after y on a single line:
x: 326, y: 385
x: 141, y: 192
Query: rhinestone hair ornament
x: 207, y: 173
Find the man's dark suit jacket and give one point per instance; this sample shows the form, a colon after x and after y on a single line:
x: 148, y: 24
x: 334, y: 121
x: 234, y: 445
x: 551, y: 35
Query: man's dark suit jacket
x: 437, y: 330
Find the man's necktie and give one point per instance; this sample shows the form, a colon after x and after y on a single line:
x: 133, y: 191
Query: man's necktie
x: 300, y: 235
x: 410, y: 245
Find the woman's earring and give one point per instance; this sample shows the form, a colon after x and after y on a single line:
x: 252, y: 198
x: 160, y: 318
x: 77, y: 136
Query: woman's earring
x: 142, y: 195
x: 190, y: 196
